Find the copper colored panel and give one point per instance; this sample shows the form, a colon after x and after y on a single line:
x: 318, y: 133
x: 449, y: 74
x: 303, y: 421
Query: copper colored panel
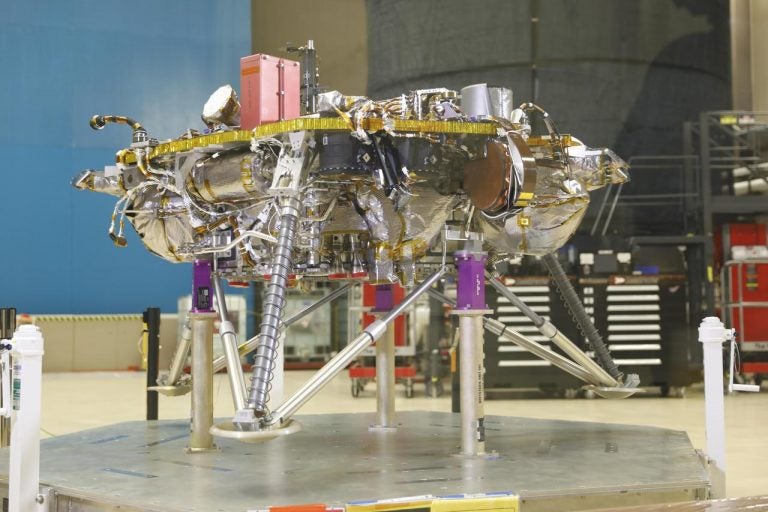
x: 487, y: 180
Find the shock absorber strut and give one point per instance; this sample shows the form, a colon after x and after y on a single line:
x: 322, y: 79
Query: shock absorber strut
x: 581, y: 316
x: 274, y: 305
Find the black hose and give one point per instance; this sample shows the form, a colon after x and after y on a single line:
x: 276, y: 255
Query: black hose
x: 580, y: 315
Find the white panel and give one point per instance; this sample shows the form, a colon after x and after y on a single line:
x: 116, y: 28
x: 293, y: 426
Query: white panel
x: 637, y: 318
x: 528, y: 300
x: 511, y: 348
x: 633, y: 327
x: 635, y: 346
x: 634, y: 337
x: 524, y: 363
x: 639, y: 362
x: 633, y: 298
x: 634, y: 307
x: 632, y: 288
x: 529, y: 289
x: 513, y: 309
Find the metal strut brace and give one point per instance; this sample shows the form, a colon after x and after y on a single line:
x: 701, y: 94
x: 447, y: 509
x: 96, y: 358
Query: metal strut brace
x: 179, y: 357
x: 231, y: 354
x: 248, y: 346
x: 370, y: 334
x: 502, y: 331
x: 580, y: 315
x: 546, y: 328
x: 274, y: 304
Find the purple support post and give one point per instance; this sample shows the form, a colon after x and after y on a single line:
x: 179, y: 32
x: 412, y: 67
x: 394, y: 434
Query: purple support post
x: 202, y: 290
x: 385, y: 362
x: 470, y: 287
x: 470, y: 307
x: 384, y: 298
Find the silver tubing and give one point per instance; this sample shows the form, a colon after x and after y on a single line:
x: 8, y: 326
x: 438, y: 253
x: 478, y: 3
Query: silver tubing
x: 180, y: 356
x: 221, y: 362
x: 369, y: 335
x: 550, y: 331
x: 385, y: 379
x: 583, y: 359
x: 471, y: 382
x: 202, y: 381
x: 612, y: 210
x: 231, y: 354
x: 274, y: 304
x: 502, y: 331
x: 538, y: 350
x: 514, y: 300
x: 335, y: 294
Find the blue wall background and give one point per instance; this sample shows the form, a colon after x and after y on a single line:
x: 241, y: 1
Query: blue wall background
x: 60, y: 63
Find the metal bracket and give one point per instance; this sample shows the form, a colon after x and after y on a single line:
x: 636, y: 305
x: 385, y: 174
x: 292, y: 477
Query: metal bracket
x: 290, y: 166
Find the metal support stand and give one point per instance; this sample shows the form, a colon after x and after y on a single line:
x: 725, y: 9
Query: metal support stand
x: 172, y: 382
x: 201, y: 318
x: 712, y: 335
x: 385, y: 363
x: 470, y: 307
x: 229, y: 341
x: 202, y: 381
x: 24, y: 473
x: 151, y: 318
x: 7, y: 328
x: 248, y: 346
x: 370, y: 334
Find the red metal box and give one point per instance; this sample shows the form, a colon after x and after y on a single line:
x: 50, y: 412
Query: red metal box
x: 269, y: 90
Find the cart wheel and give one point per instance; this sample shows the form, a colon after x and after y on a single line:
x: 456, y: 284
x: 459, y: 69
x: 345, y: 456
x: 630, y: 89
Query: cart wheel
x: 571, y: 393
x: 408, y: 388
x: 356, y: 386
x: 677, y: 392
x: 589, y: 394
x: 439, y: 390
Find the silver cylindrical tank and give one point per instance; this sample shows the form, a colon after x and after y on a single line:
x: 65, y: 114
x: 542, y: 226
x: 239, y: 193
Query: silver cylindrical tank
x: 475, y: 101
x: 502, y: 101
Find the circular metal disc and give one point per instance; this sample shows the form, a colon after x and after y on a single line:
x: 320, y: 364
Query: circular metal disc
x: 230, y: 431
x: 619, y: 392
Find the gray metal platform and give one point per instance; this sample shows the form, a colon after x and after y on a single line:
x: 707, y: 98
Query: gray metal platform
x: 552, y: 465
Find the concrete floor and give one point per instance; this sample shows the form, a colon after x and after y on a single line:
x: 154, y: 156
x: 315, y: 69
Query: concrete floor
x: 77, y: 401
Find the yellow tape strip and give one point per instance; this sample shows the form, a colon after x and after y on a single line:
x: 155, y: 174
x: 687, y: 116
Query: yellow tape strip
x: 481, y: 504
x: 390, y: 506
x: 461, y: 503
x: 312, y: 124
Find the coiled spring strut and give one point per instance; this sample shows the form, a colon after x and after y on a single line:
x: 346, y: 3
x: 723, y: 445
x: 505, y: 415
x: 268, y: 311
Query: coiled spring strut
x: 581, y: 316
x: 274, y: 304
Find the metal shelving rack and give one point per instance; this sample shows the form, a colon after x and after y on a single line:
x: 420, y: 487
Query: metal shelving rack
x: 732, y: 148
